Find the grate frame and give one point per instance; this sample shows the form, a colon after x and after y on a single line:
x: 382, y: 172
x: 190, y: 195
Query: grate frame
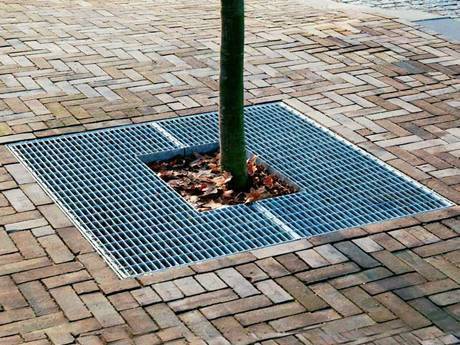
x: 282, y: 218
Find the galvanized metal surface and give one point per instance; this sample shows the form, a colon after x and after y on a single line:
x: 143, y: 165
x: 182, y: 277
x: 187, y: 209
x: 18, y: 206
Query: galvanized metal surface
x: 139, y: 224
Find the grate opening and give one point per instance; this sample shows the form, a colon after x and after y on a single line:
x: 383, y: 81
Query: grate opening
x: 140, y: 225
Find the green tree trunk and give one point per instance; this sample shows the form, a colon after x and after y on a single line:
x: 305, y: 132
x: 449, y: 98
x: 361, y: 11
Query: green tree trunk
x: 231, y: 116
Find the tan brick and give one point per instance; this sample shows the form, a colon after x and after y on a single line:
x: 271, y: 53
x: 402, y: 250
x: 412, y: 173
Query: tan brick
x: 102, y: 310
x: 70, y: 303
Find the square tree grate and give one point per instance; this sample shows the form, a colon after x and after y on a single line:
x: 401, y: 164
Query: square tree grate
x: 139, y: 224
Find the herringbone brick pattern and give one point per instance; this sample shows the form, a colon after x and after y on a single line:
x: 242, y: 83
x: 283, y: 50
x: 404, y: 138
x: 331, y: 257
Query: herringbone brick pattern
x: 391, y: 89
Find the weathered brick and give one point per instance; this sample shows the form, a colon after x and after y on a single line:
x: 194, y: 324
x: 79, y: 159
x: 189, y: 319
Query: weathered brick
x: 356, y: 254
x: 38, y: 298
x: 56, y: 249
x: 394, y: 282
x: 428, y: 288
x: 27, y: 244
x: 10, y: 297
x: 401, y: 309
x: 335, y: 299
x: 236, y: 306
x: 210, y: 281
x: 360, y: 278
x: 237, y: 282
x: 269, y: 313
x: 70, y: 303
x: 139, y: 321
x: 292, y: 262
x: 163, y: 315
x: 273, y: 291
x: 145, y: 296
x: 303, y: 320
x: 168, y: 291
x: 102, y: 310
x: 202, y: 300
x: 328, y: 272
x: 123, y: 301
x: 392, y: 262
x: 368, y: 304
x: 189, y: 286
x: 420, y: 265
x: 272, y: 267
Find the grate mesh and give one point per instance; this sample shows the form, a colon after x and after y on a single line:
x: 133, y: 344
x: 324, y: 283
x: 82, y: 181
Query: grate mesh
x: 140, y: 224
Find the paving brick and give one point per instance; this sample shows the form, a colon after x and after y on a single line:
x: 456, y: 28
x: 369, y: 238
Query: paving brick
x: 292, y: 262
x: 189, y: 286
x: 233, y: 331
x: 163, y: 316
x: 349, y: 323
x: 392, y: 262
x: 272, y: 267
x: 70, y: 303
x: 446, y: 267
x: 360, y: 278
x: 168, y: 291
x: 210, y: 281
x: 145, y: 296
x: 428, y: 288
x: 202, y: 300
x: 66, y: 279
x: 139, y: 321
x: 303, y: 320
x: 56, y: 249
x: 24, y: 265
x: 235, y: 306
x: 123, y: 301
x: 273, y: 291
x: 251, y: 272
x: 36, y: 194
x: 75, y: 241
x: 368, y: 304
x: 435, y: 314
x: 356, y: 254
x: 312, y: 258
x: 27, y: 244
x: 394, y: 282
x: 438, y: 248
x: 55, y: 216
x: 335, y: 299
x: 202, y: 328
x: 237, y: 282
x: 302, y: 293
x: 446, y: 298
x: 45, y: 270
x: 19, y: 173
x: 331, y: 254
x: 420, y: 265
x: 10, y: 296
x: 269, y: 313
x: 38, y: 298
x: 102, y: 309
x: 388, y: 242
x: 6, y: 244
x: 401, y: 309
x: 18, y: 200
x: 328, y: 272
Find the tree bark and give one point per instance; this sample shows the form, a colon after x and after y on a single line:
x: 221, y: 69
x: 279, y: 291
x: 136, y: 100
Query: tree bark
x: 231, y: 93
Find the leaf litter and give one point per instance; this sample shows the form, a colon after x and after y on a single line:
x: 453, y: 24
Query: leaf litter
x: 199, y: 180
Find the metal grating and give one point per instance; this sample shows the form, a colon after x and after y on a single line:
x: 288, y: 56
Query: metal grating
x: 139, y: 224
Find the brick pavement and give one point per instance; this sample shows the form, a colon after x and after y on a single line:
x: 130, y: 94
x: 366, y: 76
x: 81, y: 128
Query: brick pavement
x: 448, y: 8
x: 393, y: 90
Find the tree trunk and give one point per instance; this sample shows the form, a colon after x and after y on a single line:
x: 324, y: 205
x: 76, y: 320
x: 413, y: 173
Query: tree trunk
x: 231, y: 116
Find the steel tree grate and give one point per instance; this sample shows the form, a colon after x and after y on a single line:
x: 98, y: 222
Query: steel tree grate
x: 140, y: 224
